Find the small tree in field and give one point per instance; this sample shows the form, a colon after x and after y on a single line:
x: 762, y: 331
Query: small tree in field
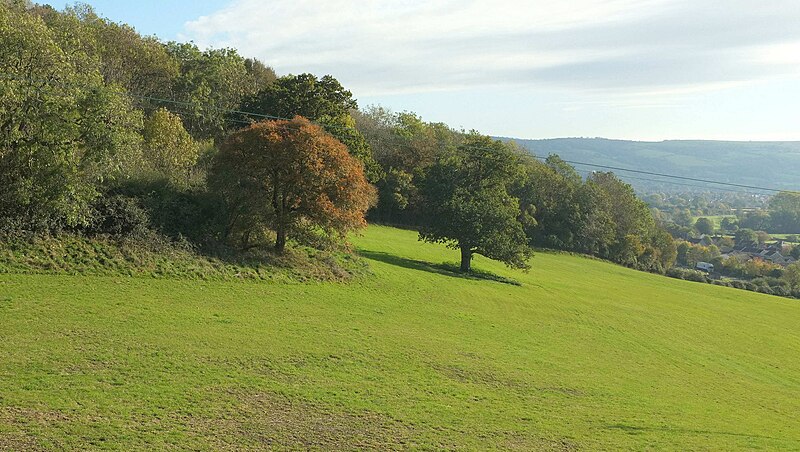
x: 293, y: 178
x: 704, y: 226
x: 468, y: 205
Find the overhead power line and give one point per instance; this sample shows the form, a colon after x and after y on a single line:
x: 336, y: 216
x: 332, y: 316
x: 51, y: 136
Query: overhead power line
x: 572, y: 162
x: 693, y: 179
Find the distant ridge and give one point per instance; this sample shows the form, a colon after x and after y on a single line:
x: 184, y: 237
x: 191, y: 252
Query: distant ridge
x: 762, y: 163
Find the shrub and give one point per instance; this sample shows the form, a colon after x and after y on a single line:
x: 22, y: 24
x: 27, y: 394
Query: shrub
x: 117, y: 215
x: 696, y: 276
x: 688, y: 275
x: 738, y: 284
x: 781, y: 291
x: 766, y: 290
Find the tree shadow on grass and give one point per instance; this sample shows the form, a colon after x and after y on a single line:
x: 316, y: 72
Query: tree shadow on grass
x: 446, y: 269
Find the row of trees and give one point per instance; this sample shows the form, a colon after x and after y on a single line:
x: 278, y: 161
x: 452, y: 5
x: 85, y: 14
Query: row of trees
x: 98, y: 119
x: 492, y: 198
x: 782, y: 215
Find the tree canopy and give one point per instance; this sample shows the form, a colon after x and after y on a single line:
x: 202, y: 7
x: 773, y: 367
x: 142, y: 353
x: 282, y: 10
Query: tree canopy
x: 323, y: 100
x: 469, y: 206
x: 293, y: 178
x: 784, y: 211
x: 62, y: 129
x: 704, y: 226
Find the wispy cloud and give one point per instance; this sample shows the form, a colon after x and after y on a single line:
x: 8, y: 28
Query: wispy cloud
x: 648, y: 46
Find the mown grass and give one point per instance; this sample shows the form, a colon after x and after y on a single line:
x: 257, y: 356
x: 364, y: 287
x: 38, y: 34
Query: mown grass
x: 581, y: 355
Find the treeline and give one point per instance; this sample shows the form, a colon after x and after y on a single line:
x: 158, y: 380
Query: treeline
x: 782, y: 215
x: 441, y: 180
x: 106, y: 132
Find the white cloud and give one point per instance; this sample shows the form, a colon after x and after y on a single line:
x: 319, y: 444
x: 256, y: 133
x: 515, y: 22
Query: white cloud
x: 603, y: 45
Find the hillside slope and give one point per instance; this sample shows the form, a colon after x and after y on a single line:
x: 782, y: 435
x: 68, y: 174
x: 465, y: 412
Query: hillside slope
x: 764, y: 164
x: 582, y: 355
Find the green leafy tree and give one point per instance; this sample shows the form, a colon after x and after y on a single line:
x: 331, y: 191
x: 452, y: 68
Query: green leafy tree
x: 759, y: 220
x: 210, y: 83
x: 665, y: 250
x: 682, y: 250
x: 139, y: 64
x: 168, y: 147
x: 469, y: 206
x: 551, y: 187
x: 745, y: 237
x: 683, y: 217
x: 62, y: 132
x: 322, y: 100
x: 597, y: 231
x: 405, y: 147
x: 630, y: 215
x: 704, y: 226
x: 301, y: 95
x: 700, y: 253
x: 784, y: 209
x: 729, y: 224
x: 630, y: 248
x: 792, y: 276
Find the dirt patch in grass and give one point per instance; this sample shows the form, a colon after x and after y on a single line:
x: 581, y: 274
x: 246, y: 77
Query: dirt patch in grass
x: 17, y: 442
x: 15, y: 423
x: 487, y: 378
x: 266, y: 420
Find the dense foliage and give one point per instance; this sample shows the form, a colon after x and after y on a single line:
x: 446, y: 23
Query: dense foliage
x: 63, y: 131
x: 292, y: 178
x: 469, y: 205
x: 109, y: 132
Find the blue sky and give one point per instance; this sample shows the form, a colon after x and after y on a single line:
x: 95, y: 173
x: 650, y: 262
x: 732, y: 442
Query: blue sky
x: 632, y: 69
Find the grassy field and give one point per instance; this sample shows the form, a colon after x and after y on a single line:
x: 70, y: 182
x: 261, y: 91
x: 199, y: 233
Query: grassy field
x: 582, y: 355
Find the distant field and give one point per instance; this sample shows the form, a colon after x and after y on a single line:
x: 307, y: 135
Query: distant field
x: 583, y: 355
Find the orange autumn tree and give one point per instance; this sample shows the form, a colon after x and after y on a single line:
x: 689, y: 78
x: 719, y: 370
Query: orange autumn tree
x: 291, y: 177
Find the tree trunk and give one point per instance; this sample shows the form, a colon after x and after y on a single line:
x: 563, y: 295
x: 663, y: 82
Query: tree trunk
x: 466, y: 258
x: 280, y: 239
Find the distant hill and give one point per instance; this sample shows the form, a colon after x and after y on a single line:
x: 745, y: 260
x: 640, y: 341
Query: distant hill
x: 759, y: 163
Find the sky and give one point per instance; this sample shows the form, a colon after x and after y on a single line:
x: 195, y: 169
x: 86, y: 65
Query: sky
x: 626, y: 69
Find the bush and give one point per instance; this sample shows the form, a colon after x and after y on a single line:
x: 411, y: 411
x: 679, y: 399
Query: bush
x: 766, y: 290
x: 688, y: 275
x: 736, y: 284
x: 781, y: 291
x: 117, y: 215
x: 178, y: 212
x: 696, y: 276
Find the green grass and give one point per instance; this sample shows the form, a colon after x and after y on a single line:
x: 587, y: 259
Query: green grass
x: 783, y: 236
x: 582, y: 355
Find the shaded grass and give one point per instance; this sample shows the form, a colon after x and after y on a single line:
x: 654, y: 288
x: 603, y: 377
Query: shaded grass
x: 156, y: 257
x: 444, y: 268
x: 583, y: 355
